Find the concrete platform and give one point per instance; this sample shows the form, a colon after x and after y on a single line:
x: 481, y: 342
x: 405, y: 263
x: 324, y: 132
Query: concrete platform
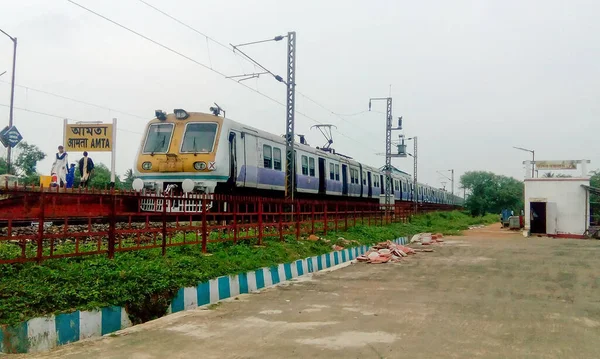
x: 489, y: 294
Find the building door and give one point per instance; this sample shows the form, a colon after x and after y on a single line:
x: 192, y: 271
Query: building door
x: 538, y: 217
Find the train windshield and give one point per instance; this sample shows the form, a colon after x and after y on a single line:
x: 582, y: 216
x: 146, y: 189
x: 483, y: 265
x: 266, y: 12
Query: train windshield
x: 199, y: 137
x: 159, y: 138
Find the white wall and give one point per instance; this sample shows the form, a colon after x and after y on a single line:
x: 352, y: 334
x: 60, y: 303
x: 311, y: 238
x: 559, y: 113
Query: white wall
x: 570, y: 198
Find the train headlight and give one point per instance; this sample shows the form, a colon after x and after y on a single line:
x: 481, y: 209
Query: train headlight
x: 187, y: 185
x: 180, y: 114
x: 199, y: 166
x: 147, y: 166
x: 137, y: 184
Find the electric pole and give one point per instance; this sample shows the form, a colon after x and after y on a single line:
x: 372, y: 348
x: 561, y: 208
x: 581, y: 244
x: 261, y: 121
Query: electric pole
x: 290, y: 174
x: 12, y: 96
x: 290, y: 96
x: 388, y: 148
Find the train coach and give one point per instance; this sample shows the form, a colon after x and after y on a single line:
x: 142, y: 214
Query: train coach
x: 191, y: 153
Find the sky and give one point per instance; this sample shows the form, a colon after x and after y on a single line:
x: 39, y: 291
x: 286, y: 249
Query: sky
x: 470, y: 78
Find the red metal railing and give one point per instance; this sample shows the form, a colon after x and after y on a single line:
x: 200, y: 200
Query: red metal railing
x: 40, y: 233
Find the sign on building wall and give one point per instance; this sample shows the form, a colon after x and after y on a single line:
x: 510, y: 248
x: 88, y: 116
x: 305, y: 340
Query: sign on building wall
x: 556, y: 165
x: 89, y: 137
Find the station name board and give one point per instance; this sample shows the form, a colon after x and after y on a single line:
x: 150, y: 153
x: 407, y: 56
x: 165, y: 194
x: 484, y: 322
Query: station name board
x: 89, y: 137
x: 556, y: 165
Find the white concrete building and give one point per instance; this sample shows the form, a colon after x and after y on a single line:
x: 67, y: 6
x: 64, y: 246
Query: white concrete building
x: 557, y: 206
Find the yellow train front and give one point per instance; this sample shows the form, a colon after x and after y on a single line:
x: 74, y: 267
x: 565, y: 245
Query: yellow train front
x: 179, y: 155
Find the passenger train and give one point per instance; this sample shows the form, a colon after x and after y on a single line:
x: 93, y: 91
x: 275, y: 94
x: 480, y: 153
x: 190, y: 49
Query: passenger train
x: 185, y: 153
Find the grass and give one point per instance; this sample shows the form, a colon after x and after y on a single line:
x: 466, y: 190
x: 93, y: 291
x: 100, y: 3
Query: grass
x: 144, y: 281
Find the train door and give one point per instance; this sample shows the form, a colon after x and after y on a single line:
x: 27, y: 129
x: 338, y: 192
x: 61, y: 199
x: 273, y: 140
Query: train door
x: 360, y: 171
x: 232, y: 159
x: 370, y: 189
x: 381, y: 184
x: 344, y: 180
x: 322, y: 176
x: 251, y: 160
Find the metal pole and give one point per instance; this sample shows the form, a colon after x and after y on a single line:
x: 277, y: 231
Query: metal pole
x: 290, y: 111
x: 388, y: 156
x: 12, y: 98
x: 532, y: 163
x: 415, y: 172
x: 452, y: 186
x: 113, y: 154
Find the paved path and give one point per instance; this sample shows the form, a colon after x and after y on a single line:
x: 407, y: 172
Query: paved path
x: 486, y: 295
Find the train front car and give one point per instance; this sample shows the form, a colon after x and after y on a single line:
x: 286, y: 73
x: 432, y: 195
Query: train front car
x: 180, y: 157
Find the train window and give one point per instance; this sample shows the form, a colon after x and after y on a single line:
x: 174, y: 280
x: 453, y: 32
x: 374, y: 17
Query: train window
x: 199, y: 137
x: 158, y: 138
x: 331, y: 172
x: 277, y: 158
x: 364, y: 178
x: 396, y: 185
x: 267, y: 156
x: 352, y: 175
x: 304, y: 166
x: 337, y: 172
x: 311, y: 167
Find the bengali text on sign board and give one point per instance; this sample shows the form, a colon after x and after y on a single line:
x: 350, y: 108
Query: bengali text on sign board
x: 89, y: 137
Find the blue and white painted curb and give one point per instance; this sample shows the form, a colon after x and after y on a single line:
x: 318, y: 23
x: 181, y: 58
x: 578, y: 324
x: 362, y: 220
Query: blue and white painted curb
x: 45, y: 333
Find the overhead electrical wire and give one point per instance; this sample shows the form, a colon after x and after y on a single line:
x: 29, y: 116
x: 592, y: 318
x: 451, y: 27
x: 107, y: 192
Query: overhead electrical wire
x: 249, y: 60
x: 198, y: 62
x: 76, y: 100
x: 60, y: 117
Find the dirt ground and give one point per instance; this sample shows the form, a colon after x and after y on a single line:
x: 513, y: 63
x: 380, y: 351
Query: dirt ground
x: 488, y: 294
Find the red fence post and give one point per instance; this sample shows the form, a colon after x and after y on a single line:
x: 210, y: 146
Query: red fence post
x: 111, y: 226
x: 325, y: 219
x: 204, y: 234
x: 312, y: 218
x: 164, y: 225
x: 346, y: 215
x: 297, y: 204
x: 260, y: 221
x: 280, y: 221
x: 40, y: 241
x: 234, y: 204
x: 337, y: 214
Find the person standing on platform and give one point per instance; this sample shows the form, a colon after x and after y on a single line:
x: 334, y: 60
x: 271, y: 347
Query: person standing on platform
x: 86, y: 167
x: 60, y: 167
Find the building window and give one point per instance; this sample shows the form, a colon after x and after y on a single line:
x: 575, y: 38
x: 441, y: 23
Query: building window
x: 331, y: 171
x: 311, y: 167
x: 267, y: 156
x: 277, y: 158
x: 337, y: 172
x: 304, y: 166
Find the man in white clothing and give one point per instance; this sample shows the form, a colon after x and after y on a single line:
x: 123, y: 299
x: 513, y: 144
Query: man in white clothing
x: 60, y: 167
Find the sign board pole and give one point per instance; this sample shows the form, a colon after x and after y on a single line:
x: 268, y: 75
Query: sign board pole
x: 113, y: 154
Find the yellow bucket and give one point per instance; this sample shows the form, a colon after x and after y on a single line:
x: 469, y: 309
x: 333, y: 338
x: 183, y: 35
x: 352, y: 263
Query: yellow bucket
x: 45, y: 181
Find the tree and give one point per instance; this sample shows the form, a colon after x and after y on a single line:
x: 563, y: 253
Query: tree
x: 101, y: 177
x: 553, y: 175
x: 128, y: 180
x: 3, y: 166
x: 594, y: 198
x: 27, y: 159
x: 490, y: 193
